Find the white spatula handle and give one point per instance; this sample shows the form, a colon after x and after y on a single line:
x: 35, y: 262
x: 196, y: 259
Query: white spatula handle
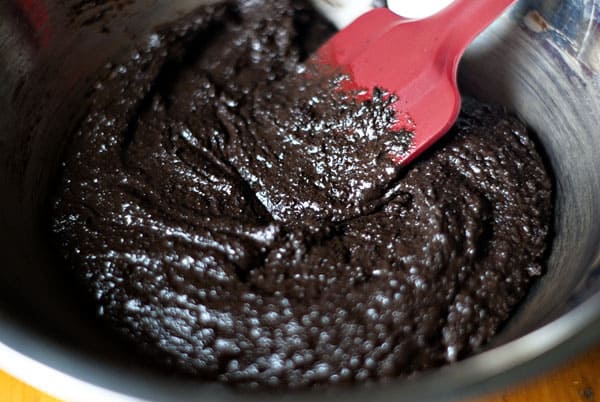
x: 342, y: 12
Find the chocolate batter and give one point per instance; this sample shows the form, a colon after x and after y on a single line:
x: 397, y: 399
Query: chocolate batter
x: 239, y: 220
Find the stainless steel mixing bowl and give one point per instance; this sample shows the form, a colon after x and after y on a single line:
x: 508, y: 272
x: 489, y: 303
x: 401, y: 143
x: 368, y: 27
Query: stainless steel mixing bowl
x: 542, y: 60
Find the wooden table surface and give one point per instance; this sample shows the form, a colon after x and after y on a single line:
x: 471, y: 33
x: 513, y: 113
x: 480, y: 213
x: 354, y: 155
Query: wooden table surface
x: 577, y: 381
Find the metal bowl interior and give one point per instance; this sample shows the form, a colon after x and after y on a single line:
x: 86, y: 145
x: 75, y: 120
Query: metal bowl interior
x: 541, y: 59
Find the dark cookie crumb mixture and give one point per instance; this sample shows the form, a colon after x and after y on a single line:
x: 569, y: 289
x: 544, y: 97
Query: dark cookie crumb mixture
x: 241, y: 222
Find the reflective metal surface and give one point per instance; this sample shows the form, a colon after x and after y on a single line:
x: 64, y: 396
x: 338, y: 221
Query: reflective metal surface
x: 542, y: 60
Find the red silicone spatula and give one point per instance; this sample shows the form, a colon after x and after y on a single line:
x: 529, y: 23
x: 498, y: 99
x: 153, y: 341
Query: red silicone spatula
x: 416, y: 60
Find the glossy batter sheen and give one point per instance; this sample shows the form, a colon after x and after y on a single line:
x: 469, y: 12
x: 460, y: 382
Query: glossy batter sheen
x: 239, y: 220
